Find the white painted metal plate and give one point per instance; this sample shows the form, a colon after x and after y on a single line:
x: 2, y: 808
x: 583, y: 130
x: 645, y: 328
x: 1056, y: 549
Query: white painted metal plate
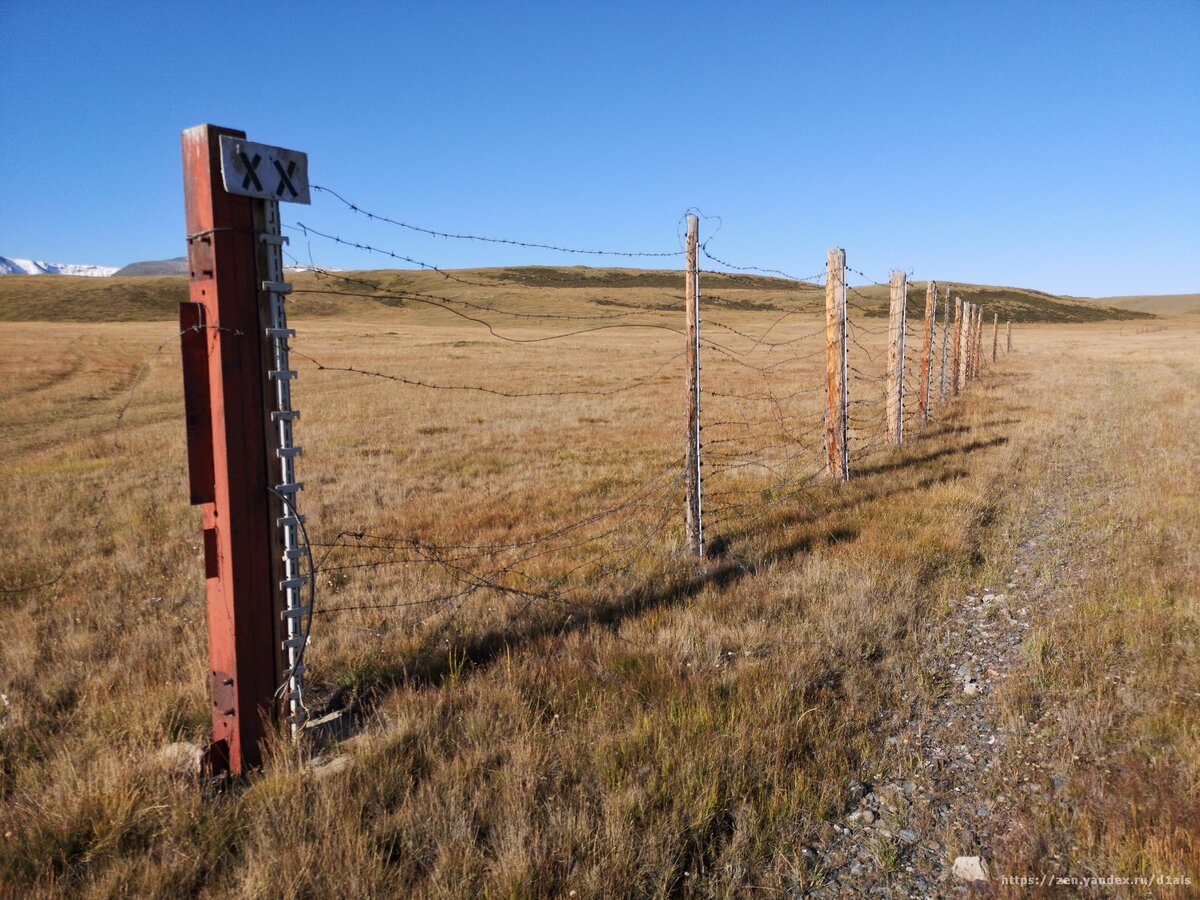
x: 263, y: 171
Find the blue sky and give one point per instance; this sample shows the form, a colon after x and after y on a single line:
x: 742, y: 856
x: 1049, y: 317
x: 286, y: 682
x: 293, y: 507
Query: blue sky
x: 1052, y: 145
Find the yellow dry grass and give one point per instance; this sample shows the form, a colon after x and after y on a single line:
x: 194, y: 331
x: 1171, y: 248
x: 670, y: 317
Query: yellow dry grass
x: 629, y: 724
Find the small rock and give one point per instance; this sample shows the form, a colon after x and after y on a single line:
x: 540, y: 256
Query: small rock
x: 971, y: 687
x: 856, y: 791
x: 323, y: 766
x: 907, y: 835
x: 809, y: 855
x: 182, y: 758
x: 865, y: 816
x: 969, y: 868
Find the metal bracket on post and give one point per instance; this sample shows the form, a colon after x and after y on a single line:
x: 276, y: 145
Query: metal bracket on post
x: 240, y: 458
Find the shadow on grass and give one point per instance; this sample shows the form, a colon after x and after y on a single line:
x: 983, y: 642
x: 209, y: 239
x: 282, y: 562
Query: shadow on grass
x: 433, y: 666
x: 913, y: 461
x: 476, y: 653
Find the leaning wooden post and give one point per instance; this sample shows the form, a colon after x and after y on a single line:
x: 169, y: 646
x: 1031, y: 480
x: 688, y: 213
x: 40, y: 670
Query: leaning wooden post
x: 895, y: 379
x: 945, y: 341
x: 927, y: 349
x: 836, y: 424
x: 995, y: 335
x: 964, y: 346
x: 1008, y: 338
x: 693, y: 517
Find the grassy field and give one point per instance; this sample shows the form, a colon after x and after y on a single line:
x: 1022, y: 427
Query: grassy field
x: 585, y: 710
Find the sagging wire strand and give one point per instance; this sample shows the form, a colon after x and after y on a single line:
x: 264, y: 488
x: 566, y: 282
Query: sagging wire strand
x: 769, y: 454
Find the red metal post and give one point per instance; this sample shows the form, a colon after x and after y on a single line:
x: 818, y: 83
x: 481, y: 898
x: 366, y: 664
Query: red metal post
x: 226, y: 393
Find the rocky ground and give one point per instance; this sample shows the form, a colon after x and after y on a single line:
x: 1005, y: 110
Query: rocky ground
x: 927, y: 826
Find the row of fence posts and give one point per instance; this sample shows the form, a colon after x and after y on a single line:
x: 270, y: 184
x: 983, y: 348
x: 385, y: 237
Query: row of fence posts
x: 961, y: 360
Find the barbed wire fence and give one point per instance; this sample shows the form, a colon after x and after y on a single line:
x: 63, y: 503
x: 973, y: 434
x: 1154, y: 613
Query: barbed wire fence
x: 763, y: 429
x: 762, y: 448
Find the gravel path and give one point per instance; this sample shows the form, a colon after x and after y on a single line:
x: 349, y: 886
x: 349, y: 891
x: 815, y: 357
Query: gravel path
x: 925, y: 828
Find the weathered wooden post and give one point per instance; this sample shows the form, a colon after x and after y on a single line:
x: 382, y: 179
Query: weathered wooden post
x: 972, y: 327
x: 238, y: 425
x: 836, y: 424
x: 694, y: 514
x: 956, y: 346
x: 927, y: 349
x: 995, y: 335
x: 1008, y: 338
x: 895, y: 379
x: 977, y: 355
x: 964, y: 346
x: 945, y: 341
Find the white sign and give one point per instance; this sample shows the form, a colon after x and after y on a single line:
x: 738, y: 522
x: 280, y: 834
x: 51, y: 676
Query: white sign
x: 263, y: 171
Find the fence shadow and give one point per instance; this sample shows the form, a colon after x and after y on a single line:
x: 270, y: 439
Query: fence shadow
x: 433, y: 667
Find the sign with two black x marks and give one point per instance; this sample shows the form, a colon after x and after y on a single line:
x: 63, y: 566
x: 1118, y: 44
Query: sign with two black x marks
x: 263, y: 171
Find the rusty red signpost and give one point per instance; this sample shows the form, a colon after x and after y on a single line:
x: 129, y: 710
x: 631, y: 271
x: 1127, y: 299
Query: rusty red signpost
x: 233, y: 451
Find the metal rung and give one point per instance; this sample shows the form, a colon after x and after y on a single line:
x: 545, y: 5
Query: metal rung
x: 295, y: 553
x: 289, y: 583
x: 287, y: 415
x: 295, y: 670
x: 290, y: 521
x: 283, y: 374
x: 277, y: 239
x: 293, y: 643
x: 281, y: 332
x: 277, y: 287
x: 290, y: 488
x: 298, y: 612
x: 289, y: 452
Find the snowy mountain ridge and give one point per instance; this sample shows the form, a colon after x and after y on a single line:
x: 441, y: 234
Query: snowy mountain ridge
x: 41, y: 267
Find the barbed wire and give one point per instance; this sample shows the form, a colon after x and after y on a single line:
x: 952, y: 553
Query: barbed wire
x: 490, y: 240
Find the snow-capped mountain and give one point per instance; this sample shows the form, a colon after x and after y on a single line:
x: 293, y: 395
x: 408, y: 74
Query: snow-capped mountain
x: 41, y: 267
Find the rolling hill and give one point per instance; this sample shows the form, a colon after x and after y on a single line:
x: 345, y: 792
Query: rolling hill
x: 531, y: 288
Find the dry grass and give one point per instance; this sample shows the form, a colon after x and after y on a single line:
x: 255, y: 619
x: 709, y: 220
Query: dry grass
x: 655, y: 730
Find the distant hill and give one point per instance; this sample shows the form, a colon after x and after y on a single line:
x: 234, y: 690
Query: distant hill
x: 176, y: 266
x: 1160, y: 304
x: 524, y: 289
x: 1011, y: 303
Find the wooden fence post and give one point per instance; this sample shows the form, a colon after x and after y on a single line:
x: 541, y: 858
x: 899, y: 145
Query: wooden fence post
x: 977, y: 356
x: 945, y: 341
x: 1008, y: 338
x: 964, y: 347
x: 927, y: 349
x: 956, y: 346
x: 895, y: 379
x: 836, y: 425
x: 693, y: 517
x: 972, y: 341
x: 995, y: 335
x: 968, y: 343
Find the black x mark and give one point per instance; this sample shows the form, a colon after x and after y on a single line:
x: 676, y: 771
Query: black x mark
x: 285, y: 179
x: 251, y: 175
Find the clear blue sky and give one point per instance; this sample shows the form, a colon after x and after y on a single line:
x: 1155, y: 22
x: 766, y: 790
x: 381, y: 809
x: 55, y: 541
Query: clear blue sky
x: 1049, y: 144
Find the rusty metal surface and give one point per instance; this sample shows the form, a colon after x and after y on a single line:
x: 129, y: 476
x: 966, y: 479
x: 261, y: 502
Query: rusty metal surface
x: 239, y: 592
